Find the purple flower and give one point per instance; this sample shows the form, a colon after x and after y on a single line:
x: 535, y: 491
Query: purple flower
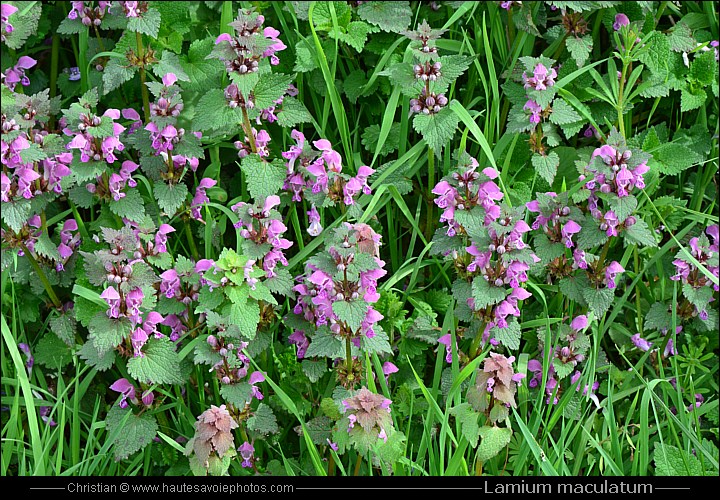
x: 542, y: 78
x: 200, y: 197
x: 620, y: 21
x: 611, y: 272
x: 256, y: 378
x: 388, y: 369
x: 569, y: 229
x: 112, y: 297
x: 314, y: 227
x: 301, y: 341
x: 446, y: 340
x: 246, y: 452
x: 579, y: 323
x: 640, y: 342
x: 16, y: 74
x: 138, y: 339
x: 30, y: 359
x: 127, y: 390
x: 6, y: 11
x: 161, y: 237
x: 535, y: 111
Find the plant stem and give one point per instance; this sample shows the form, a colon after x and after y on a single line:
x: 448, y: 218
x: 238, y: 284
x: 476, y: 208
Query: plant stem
x: 358, y: 463
x: 97, y: 34
x: 620, y: 103
x: 331, y: 466
x: 637, y: 291
x: 145, y: 95
x: 248, y: 130
x: 474, y: 347
x: 43, y: 278
x: 431, y: 185
x: 191, y: 241
x: 54, y: 57
x: 348, y: 355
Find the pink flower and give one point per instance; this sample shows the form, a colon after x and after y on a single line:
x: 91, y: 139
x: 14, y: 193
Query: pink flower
x: 620, y: 21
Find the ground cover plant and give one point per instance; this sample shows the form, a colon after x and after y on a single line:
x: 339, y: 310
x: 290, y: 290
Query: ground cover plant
x: 359, y: 238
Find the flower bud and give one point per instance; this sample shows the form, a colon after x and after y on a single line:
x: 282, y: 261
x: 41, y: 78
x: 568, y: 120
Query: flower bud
x: 630, y: 221
x: 500, y: 249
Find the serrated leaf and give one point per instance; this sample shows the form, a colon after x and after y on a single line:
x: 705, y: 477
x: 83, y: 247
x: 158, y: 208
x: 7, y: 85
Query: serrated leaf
x: 673, y: 158
x: 314, y: 369
x: 292, y: 112
x: 623, y: 206
x: 437, y: 129
x: 16, y: 213
x: 159, y: 364
x: 579, y: 48
x: 170, y: 63
x: 546, y: 166
x: 640, y: 234
x: 468, y: 419
x: 269, y: 88
x: 356, y: 35
x: 65, y: 326
x: 237, y: 394
x: 486, y: 294
x: 672, y: 461
x: 494, y: 439
x: 202, y: 73
x: 32, y: 154
x: 563, y: 113
x: 107, y: 333
x: 510, y: 336
x: 130, y: 207
x: 147, y: 24
x: 658, y: 317
x: 388, y: 16
x: 325, y: 345
x: 101, y: 362
x: 656, y: 53
x: 52, y: 352
x: 599, y: 301
x: 379, y: 344
x: 246, y: 317
x: 137, y: 431
x: 116, y: 72
x: 352, y: 312
x: 263, y: 420
x: 690, y: 100
x: 704, y: 68
x: 45, y: 247
x: 215, y: 114
x: 170, y: 197
x: 263, y: 178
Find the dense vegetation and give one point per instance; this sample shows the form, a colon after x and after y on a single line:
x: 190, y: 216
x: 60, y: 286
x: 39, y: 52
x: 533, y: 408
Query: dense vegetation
x: 360, y: 238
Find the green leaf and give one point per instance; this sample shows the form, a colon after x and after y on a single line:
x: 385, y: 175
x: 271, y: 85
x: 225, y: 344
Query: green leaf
x: 672, y: 461
x: 494, y: 439
x: 673, y: 158
x: 658, y: 317
x: 147, y: 24
x: 563, y: 113
x: 202, y: 73
x: 510, y: 336
x: 130, y: 207
x: 437, y: 129
x: 101, y: 362
x: 107, y: 333
x: 546, y: 166
x: 356, y: 35
x: 599, y: 301
x: 304, y: 59
x: 468, y: 419
x: 65, y: 327
x: 32, y: 154
x: 215, y: 113
x: 137, y: 431
x: 269, y: 88
x: 159, y: 364
x: 388, y: 16
x: 486, y: 294
x: 292, y: 112
x: 623, y: 206
x: 238, y: 394
x: 371, y: 135
x: 263, y: 178
x: 24, y: 22
x: 170, y: 197
x: 324, y: 344
x: 640, y: 234
x: 52, y: 352
x: 116, y: 72
x: 352, y: 312
x: 16, y: 213
x: 170, y: 63
x: 699, y: 297
x: 704, y: 68
x: 656, y: 55
x: 562, y: 370
x: 314, y: 369
x: 579, y: 48
x: 246, y: 317
x: 263, y: 421
x: 379, y: 344
x: 45, y: 247
x: 692, y: 99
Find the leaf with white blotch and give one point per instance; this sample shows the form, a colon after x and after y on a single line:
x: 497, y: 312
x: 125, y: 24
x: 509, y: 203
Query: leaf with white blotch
x: 494, y: 439
x: 136, y: 431
x: 159, y: 364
